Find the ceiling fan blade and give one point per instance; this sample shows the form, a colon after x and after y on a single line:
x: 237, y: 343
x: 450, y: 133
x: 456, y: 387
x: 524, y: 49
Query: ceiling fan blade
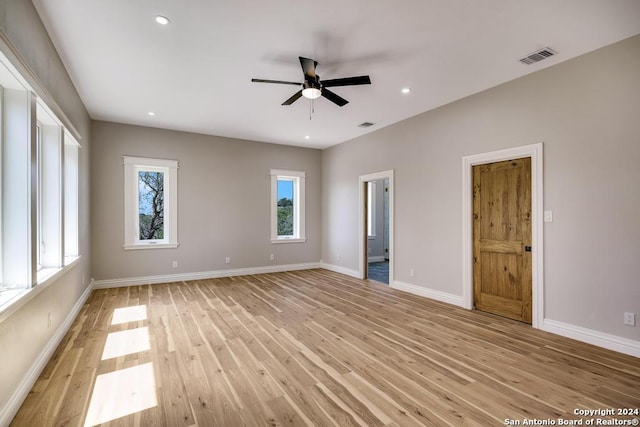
x: 333, y: 97
x: 308, y: 67
x: 347, y: 81
x: 294, y: 98
x: 280, y: 82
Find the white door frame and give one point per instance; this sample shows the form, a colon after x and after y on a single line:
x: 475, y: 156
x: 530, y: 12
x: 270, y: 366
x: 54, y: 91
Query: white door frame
x: 362, y: 232
x: 534, y: 151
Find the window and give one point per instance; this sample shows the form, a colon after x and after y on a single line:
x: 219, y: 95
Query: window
x: 71, y: 249
x: 287, y: 206
x: 39, y: 198
x: 49, y: 152
x: 33, y: 221
x: 371, y: 209
x: 150, y: 203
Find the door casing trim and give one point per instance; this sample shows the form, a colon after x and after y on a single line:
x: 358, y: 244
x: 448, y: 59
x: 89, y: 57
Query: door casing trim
x: 535, y: 152
x: 362, y: 233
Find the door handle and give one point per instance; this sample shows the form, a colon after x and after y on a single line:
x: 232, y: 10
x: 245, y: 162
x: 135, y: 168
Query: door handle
x: 527, y: 248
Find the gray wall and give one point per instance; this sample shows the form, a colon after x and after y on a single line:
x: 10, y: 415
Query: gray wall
x: 24, y: 335
x: 587, y: 113
x: 223, y: 202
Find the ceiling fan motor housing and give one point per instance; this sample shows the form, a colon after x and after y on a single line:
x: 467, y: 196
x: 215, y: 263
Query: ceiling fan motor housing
x: 311, y: 84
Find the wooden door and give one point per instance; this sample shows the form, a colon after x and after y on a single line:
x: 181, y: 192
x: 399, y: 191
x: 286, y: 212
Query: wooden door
x: 502, y: 238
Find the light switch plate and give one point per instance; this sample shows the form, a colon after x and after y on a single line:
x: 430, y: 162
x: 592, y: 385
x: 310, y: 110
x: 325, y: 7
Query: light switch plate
x: 548, y: 216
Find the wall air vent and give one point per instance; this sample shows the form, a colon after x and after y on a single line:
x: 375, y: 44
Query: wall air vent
x: 365, y: 124
x: 538, y: 56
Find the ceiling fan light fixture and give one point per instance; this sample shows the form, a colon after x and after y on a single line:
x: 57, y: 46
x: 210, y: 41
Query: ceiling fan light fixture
x: 311, y: 93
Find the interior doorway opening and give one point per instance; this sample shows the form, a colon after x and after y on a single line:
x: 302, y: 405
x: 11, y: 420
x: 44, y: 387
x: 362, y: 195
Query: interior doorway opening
x: 378, y: 230
x: 376, y: 227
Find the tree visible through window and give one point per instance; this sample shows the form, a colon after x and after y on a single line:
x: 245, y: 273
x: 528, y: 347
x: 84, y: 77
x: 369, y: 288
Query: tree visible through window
x: 151, y: 205
x: 285, y: 207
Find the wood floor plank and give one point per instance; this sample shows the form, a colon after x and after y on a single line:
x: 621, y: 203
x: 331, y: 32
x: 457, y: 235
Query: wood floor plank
x: 317, y: 348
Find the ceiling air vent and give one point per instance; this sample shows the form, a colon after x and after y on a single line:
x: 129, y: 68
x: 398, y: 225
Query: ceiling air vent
x: 538, y: 56
x: 365, y: 124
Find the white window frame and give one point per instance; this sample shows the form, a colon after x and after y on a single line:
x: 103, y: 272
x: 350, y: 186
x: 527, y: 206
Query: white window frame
x: 298, y: 178
x: 371, y: 209
x: 132, y: 166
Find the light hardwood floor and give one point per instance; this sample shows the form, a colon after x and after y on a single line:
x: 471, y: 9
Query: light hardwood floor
x: 313, y: 348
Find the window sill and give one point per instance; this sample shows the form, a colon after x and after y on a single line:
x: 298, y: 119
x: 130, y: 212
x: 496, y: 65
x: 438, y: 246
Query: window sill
x: 46, y: 277
x: 292, y: 240
x: 45, y: 274
x: 150, y: 246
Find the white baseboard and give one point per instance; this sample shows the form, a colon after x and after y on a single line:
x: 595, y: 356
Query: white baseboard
x: 429, y: 293
x: 13, y: 404
x: 341, y: 270
x: 378, y: 258
x: 600, y: 339
x: 201, y: 275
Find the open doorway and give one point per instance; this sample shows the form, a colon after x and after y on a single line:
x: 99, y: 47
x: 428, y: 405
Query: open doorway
x: 376, y: 213
x: 378, y: 230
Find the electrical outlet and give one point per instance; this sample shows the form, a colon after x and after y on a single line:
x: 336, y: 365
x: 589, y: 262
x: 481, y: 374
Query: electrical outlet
x: 174, y: 264
x: 227, y: 260
x: 412, y: 273
x: 337, y: 257
x: 49, y: 319
x: 272, y: 257
x: 630, y: 319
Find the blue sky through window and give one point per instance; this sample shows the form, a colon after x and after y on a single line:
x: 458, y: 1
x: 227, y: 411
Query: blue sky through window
x: 285, y: 189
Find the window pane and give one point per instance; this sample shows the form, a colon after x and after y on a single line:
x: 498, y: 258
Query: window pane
x: 151, y: 205
x: 285, y: 208
x: 39, y: 162
x: 70, y: 197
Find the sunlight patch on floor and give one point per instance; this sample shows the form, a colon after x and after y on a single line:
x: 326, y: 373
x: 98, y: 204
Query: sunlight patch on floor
x: 129, y: 314
x: 120, y: 393
x: 126, y: 342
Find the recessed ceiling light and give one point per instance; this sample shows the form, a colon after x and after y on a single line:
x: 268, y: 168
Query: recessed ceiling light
x: 162, y: 20
x: 406, y: 90
x: 151, y: 113
x: 307, y: 137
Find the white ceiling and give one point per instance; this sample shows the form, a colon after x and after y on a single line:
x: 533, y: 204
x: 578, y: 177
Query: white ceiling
x: 195, y: 73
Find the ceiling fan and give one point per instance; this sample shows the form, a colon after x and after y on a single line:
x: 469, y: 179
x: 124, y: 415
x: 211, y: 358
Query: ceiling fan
x: 313, y: 87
